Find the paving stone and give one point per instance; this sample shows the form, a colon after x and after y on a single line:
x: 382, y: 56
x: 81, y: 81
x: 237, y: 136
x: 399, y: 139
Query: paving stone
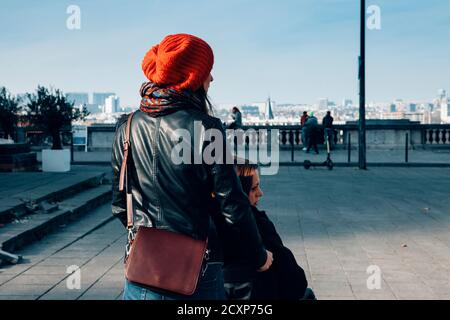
x: 28, y: 279
x: 332, y: 288
x: 374, y: 295
x: 335, y: 297
x: 19, y: 297
x: 102, y: 294
x: 4, y: 278
x: 27, y: 290
x: 355, y: 265
x: 46, y: 270
x: 399, y: 276
x: 333, y: 277
x: 63, y: 261
x: 409, y: 290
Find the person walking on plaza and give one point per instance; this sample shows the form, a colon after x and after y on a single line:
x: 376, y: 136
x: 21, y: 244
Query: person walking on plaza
x: 312, y: 133
x: 285, y: 279
x: 176, y: 198
x: 303, y: 119
x: 327, y: 123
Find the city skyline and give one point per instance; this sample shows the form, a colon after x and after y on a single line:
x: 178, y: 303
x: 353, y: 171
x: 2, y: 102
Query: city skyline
x: 294, y: 51
x: 426, y: 112
x: 90, y: 99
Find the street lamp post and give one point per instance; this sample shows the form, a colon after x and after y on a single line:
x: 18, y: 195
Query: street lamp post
x: 362, y: 90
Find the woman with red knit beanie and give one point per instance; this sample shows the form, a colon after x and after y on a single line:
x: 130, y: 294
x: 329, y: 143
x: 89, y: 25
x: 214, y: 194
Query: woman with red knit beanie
x: 177, y: 197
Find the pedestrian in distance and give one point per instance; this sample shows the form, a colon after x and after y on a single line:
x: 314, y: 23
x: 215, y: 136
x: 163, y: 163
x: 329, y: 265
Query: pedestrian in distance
x: 327, y: 124
x: 312, y: 132
x: 303, y: 119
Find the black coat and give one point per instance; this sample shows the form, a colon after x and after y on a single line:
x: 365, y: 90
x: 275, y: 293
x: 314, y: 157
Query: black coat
x: 285, y: 279
x: 177, y: 197
x: 327, y: 122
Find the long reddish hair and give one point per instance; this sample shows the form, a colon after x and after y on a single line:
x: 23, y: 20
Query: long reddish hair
x: 245, y: 172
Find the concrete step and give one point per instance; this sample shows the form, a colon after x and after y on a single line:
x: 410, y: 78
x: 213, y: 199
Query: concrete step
x: 42, y: 188
x: 34, y: 227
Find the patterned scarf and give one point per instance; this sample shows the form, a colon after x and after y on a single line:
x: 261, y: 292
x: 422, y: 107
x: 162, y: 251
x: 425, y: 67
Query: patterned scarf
x: 161, y: 101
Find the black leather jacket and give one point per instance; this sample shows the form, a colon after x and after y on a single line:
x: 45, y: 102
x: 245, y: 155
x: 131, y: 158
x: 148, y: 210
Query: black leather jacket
x: 178, y: 197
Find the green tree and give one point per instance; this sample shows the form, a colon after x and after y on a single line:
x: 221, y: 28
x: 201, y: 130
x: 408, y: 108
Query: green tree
x: 49, y: 111
x: 9, y: 108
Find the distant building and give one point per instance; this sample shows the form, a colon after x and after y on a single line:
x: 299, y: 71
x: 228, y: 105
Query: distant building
x: 427, y: 107
x: 399, y: 105
x: 261, y: 107
x: 93, y: 108
x: 412, y: 107
x: 393, y: 108
x: 250, y: 110
x: 445, y: 111
x: 444, y: 102
x: 436, y: 116
x: 323, y: 104
x: 347, y: 103
x: 112, y: 104
x: 427, y: 117
x: 100, y: 97
x: 414, y: 116
x: 78, y: 98
x: 127, y: 109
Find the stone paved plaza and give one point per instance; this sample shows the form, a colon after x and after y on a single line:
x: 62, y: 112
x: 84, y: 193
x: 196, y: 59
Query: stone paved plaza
x: 338, y: 223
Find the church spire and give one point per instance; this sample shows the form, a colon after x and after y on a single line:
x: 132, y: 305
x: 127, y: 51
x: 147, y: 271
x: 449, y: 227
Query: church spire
x: 269, y: 109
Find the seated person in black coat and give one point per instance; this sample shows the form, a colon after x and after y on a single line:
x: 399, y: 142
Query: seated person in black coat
x: 285, y: 279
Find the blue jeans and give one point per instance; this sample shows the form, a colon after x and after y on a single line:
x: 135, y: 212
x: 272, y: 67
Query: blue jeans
x: 304, y: 137
x: 210, y: 287
x: 329, y: 134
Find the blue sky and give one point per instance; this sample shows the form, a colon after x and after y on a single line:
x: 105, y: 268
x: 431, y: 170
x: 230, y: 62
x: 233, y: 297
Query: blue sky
x: 297, y: 51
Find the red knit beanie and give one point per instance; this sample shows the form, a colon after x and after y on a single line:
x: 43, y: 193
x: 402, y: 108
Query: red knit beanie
x: 180, y: 61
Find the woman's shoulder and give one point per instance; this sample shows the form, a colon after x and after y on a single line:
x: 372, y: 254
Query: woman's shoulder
x: 256, y: 211
x: 207, y: 120
x: 267, y: 229
x: 261, y: 216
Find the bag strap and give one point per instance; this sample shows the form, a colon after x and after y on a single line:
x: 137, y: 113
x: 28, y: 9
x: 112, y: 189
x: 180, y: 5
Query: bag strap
x: 124, y: 179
